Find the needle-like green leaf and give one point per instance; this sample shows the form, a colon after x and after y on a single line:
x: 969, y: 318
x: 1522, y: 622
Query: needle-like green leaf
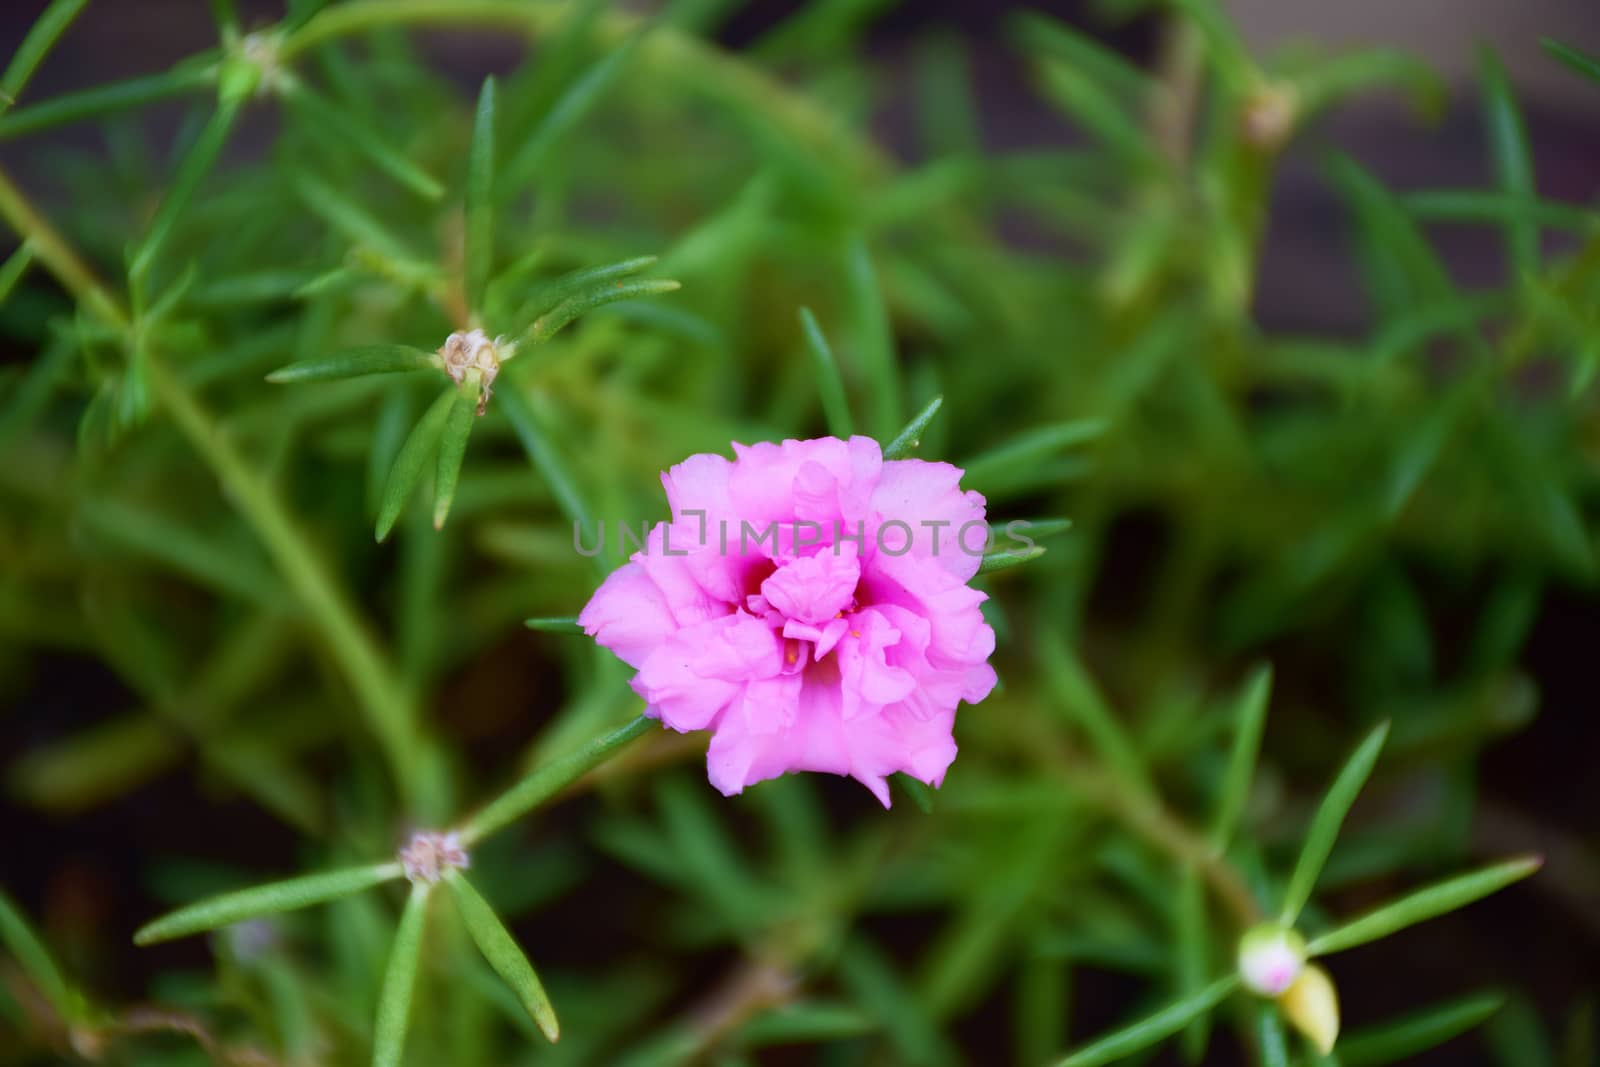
x: 1192, y: 956
x: 835, y: 405
x: 1410, y: 330
x: 1107, y: 68
x: 25, y: 402
x: 355, y: 362
x: 947, y: 111
x: 1513, y: 159
x: 563, y: 115
x: 1329, y: 818
x: 360, y: 136
x: 35, y: 960
x: 352, y: 220
x: 42, y: 36
x: 873, y: 335
x: 1152, y: 1029
x: 1028, y: 449
x: 1035, y: 528
x: 197, y: 163
x: 1229, y: 56
x: 1270, y: 1038
x: 1005, y: 559
x: 103, y: 100
x: 552, y: 322
x: 479, y: 252
x: 503, y: 954
x: 1582, y: 62
x: 921, y: 793
x: 184, y: 548
x: 414, y: 455
x: 1074, y: 693
x: 452, y: 450
x: 1249, y: 717
x: 1467, y: 205
x: 1094, y: 107
x: 807, y: 1022
x: 1424, y: 904
x: 15, y: 267
x: 546, y: 458
x: 547, y: 295
x: 1401, y: 1039
x: 1331, y: 80
x: 1401, y: 267
x: 906, y: 440
x: 399, y: 981
x: 564, y: 625
x: 259, y: 900
x: 300, y: 12
x: 873, y: 982
x: 544, y: 782
x: 227, y: 18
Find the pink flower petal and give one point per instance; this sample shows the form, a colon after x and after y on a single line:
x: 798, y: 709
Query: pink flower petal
x: 697, y: 672
x: 947, y: 524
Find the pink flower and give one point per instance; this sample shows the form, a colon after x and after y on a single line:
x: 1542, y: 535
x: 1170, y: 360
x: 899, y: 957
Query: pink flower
x: 808, y: 604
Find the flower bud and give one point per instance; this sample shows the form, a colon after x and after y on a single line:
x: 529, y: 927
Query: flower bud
x: 1271, y: 957
x: 1312, y: 1007
x: 1269, y: 116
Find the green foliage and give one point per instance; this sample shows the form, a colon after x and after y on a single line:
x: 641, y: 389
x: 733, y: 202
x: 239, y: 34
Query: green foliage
x: 197, y: 534
x: 503, y: 955
x: 1392, y: 1042
x: 400, y: 980
x: 251, y: 903
x: 420, y: 447
x: 355, y: 362
x: 1325, y: 827
x: 51, y: 24
x: 906, y: 441
x: 1424, y: 904
x: 479, y: 248
x: 1153, y: 1028
x: 835, y: 404
x: 35, y: 960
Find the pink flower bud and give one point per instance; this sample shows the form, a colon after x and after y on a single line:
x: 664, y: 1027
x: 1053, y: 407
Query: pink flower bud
x: 1271, y: 957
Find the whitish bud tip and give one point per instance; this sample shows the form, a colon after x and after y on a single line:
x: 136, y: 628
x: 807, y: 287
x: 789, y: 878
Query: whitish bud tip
x: 1271, y: 957
x: 1269, y: 116
x: 427, y: 856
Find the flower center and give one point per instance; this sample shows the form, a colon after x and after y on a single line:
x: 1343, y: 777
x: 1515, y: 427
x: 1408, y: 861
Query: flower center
x: 809, y: 599
x: 814, y: 589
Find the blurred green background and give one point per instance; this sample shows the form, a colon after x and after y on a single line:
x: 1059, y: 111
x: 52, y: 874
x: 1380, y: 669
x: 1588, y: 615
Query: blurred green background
x: 1293, y: 312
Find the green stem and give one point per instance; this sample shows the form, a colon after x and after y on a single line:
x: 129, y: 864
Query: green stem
x: 1149, y: 820
x: 386, y: 703
x: 546, y: 781
x: 365, y: 666
x: 58, y: 257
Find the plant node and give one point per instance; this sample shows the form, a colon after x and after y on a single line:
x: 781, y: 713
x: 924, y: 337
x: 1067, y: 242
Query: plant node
x: 428, y: 855
x: 466, y: 351
x: 1269, y: 116
x: 254, y: 65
